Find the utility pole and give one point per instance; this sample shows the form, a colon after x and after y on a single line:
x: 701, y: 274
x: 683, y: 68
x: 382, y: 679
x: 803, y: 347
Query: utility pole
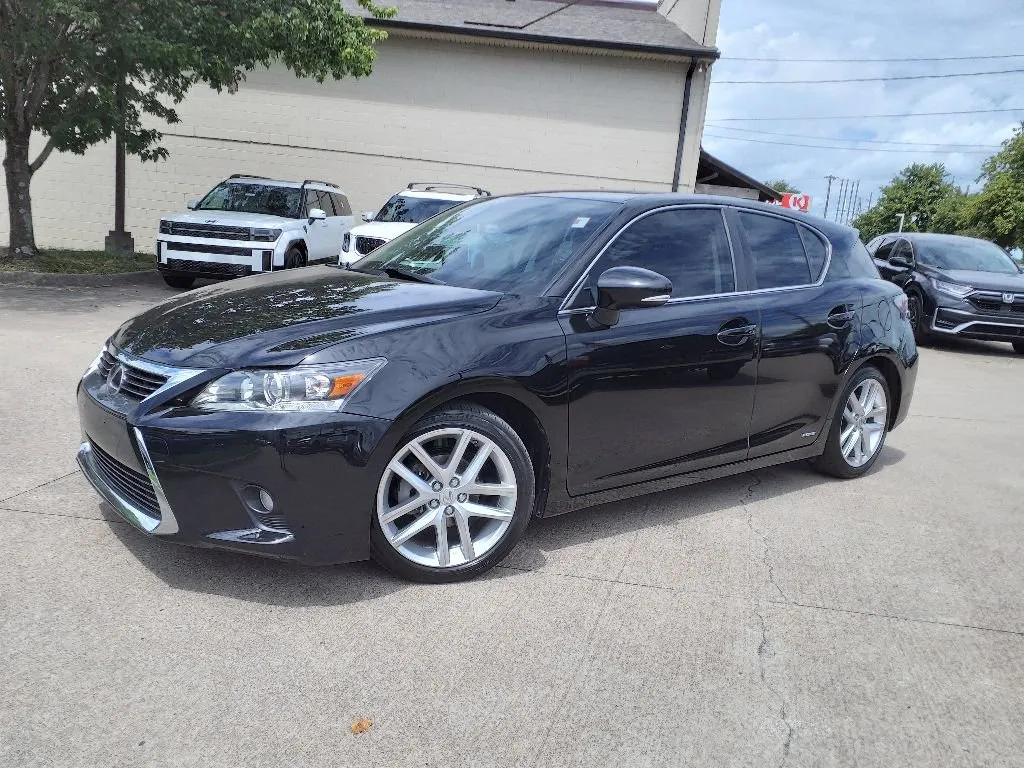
x: 849, y: 207
x: 839, y: 202
x: 828, y: 193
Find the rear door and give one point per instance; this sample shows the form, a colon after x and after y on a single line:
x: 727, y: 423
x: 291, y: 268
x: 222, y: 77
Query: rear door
x: 806, y: 323
x: 667, y: 389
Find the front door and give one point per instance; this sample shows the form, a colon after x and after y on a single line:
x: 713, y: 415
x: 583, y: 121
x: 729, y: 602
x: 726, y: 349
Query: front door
x: 668, y: 389
x: 318, y: 233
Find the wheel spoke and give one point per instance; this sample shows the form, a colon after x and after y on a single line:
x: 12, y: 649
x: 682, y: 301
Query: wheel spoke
x: 420, y: 524
x: 465, y: 540
x: 473, y: 470
x: 458, y: 452
x: 402, y: 509
x: 427, y: 461
x: 473, y: 509
x: 441, y: 524
x: 849, y: 413
x: 865, y: 444
x: 876, y: 412
x: 490, y: 489
x: 858, y: 452
x: 845, y: 434
x: 849, y: 443
x: 410, y: 477
x: 867, y: 397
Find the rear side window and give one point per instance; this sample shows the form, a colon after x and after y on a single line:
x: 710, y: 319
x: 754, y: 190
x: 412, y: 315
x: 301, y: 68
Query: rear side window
x: 778, y: 251
x: 688, y: 246
x: 341, y: 205
x: 816, y: 252
x: 851, y: 259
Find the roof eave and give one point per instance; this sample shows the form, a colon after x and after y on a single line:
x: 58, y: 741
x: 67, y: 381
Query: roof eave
x: 751, y: 182
x: 514, y: 36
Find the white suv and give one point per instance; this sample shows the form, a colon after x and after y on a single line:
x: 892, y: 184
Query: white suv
x: 247, y: 225
x: 417, y: 202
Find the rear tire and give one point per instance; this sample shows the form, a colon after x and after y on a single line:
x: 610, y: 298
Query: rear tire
x: 859, y: 427
x: 1018, y: 347
x: 294, y: 257
x: 179, y: 282
x: 469, y: 447
x: 918, y: 321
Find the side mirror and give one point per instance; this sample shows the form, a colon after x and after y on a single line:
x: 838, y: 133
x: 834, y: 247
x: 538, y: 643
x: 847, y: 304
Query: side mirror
x: 316, y: 214
x: 192, y: 204
x: 900, y: 262
x: 626, y: 288
x: 368, y: 215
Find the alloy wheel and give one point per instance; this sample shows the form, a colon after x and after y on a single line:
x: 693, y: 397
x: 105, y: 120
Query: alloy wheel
x: 915, y: 313
x: 447, y: 498
x: 864, y: 422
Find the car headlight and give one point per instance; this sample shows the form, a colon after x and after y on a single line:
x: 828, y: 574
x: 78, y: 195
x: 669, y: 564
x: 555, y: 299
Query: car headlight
x: 166, y: 227
x: 265, y: 235
x: 303, y: 388
x: 346, y: 242
x: 953, y: 289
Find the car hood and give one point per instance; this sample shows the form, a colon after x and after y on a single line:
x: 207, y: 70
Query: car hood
x: 385, y: 230
x: 231, y: 219
x: 283, y: 317
x: 983, y: 281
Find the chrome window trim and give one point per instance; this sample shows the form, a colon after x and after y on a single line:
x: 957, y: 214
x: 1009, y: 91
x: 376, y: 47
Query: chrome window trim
x: 566, y: 309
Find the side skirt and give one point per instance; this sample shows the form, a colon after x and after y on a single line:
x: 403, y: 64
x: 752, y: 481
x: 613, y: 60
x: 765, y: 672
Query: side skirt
x: 571, y: 503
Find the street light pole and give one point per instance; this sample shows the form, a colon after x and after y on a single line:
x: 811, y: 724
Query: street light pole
x: 901, y: 217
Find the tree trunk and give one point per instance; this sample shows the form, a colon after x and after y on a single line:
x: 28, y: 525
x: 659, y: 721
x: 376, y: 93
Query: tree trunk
x: 18, y: 175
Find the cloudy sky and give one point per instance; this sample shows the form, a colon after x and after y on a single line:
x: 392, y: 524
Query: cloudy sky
x: 869, y: 30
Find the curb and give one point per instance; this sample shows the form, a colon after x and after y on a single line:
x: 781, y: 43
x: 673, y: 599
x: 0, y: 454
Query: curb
x: 58, y: 279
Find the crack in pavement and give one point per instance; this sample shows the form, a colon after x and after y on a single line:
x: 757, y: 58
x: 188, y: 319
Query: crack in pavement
x: 37, y: 487
x: 764, y: 649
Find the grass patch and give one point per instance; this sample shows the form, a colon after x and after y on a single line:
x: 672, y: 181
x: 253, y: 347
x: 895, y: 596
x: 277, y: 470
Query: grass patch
x: 77, y: 262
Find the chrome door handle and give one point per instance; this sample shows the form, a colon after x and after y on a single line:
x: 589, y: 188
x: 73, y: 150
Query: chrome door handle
x: 840, y: 317
x: 734, y: 337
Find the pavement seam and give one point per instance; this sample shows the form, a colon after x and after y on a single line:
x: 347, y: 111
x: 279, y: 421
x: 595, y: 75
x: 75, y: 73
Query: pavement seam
x: 892, y: 617
x: 599, y: 580
x: 61, y: 514
x: 37, y: 487
x: 764, y: 652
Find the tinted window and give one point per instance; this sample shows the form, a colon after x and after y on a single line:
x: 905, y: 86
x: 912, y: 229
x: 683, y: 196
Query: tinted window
x: 312, y: 200
x: 413, y: 210
x: 253, y: 198
x: 327, y: 203
x: 689, y: 247
x: 778, y: 251
x: 512, y: 244
x: 884, y: 251
x: 966, y: 253
x: 814, y: 247
x: 341, y: 206
x: 851, y: 259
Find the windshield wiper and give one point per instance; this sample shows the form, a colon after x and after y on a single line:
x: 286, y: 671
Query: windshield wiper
x: 406, y: 275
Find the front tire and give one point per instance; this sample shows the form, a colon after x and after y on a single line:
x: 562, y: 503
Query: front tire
x: 858, y: 430
x: 455, y: 498
x: 1018, y: 347
x: 180, y: 282
x: 918, y: 321
x: 294, y: 257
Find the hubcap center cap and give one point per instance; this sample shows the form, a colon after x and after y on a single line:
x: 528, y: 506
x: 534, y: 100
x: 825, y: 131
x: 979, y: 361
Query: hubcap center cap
x: 447, y: 496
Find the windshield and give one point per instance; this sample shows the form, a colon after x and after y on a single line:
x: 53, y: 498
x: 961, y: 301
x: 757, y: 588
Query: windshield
x: 975, y: 255
x: 511, y: 244
x: 254, y: 198
x: 413, y: 210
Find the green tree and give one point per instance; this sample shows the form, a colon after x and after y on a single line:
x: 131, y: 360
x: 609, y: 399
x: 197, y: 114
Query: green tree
x: 74, y: 72
x: 997, y: 212
x: 917, y: 192
x: 783, y: 186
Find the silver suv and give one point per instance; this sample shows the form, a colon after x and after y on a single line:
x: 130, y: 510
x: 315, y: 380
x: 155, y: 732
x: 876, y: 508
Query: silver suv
x: 247, y: 225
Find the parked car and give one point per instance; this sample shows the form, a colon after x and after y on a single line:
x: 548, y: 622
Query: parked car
x: 957, y: 286
x: 414, y: 204
x: 521, y: 356
x: 247, y: 225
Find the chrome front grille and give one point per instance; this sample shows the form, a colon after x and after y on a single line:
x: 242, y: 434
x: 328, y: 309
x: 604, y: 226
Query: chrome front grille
x: 136, y: 382
x: 365, y: 245
x: 991, y: 301
x: 130, y: 485
x: 215, y: 231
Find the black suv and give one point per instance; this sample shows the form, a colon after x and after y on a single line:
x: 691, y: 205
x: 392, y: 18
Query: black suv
x: 957, y: 286
x: 512, y: 358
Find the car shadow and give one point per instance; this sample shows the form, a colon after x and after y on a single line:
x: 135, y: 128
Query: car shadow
x: 274, y: 582
x: 972, y: 347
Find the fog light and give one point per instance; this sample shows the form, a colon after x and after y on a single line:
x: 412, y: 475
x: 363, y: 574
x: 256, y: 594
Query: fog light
x: 266, y: 500
x: 258, y: 499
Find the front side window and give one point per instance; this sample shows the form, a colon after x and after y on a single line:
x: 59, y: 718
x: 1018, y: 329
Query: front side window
x: 413, y: 210
x: 967, y: 254
x: 688, y: 246
x: 777, y: 248
x: 341, y: 205
x: 243, y: 197
x: 513, y: 244
x: 884, y: 250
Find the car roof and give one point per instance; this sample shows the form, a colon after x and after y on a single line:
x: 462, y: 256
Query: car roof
x: 641, y: 201
x: 935, y: 237
x: 436, y: 195
x: 324, y: 185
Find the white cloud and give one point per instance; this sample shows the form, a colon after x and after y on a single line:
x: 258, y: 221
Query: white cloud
x: 872, y: 28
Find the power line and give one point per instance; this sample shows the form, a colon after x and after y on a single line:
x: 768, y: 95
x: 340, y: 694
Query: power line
x: 868, y: 61
x: 888, y: 78
x: 866, y: 117
x: 848, y: 149
x: 860, y: 141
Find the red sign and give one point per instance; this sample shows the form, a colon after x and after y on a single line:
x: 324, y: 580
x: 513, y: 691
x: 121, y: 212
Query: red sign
x: 796, y: 201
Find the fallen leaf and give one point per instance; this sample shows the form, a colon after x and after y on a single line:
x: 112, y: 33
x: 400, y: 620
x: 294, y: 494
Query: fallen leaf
x: 362, y: 725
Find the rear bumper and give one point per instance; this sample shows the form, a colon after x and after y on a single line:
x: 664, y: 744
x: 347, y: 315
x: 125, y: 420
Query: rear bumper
x: 975, y: 325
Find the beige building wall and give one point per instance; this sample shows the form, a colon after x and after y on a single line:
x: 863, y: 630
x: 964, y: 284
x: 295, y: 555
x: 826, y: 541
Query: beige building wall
x: 507, y: 119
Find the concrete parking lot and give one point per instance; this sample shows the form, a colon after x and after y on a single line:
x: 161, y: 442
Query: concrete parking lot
x: 776, y: 618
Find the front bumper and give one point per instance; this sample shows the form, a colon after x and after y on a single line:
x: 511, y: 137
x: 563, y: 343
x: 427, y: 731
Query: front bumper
x: 187, y: 477
x: 970, y: 324
x: 215, y: 259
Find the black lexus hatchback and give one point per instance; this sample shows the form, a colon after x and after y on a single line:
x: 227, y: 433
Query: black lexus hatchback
x: 957, y: 286
x: 515, y: 357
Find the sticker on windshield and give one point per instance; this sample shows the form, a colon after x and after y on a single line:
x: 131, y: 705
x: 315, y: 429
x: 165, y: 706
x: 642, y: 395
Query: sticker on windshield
x: 581, y: 222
